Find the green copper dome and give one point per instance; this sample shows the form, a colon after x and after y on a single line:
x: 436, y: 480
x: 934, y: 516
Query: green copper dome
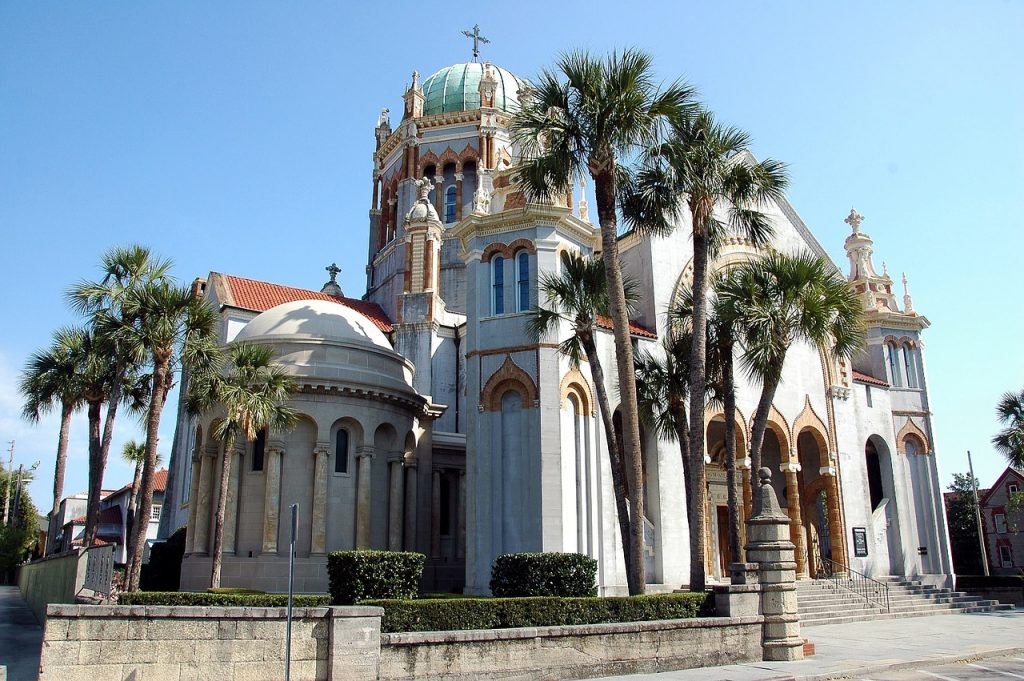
x: 457, y: 88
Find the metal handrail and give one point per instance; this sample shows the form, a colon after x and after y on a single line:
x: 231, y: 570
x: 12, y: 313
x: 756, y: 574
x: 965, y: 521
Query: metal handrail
x: 843, y: 576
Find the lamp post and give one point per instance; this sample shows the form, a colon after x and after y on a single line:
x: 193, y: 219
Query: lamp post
x: 291, y: 589
x: 977, y: 515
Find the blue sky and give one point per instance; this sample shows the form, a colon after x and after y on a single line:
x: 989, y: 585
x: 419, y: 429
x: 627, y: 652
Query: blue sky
x: 236, y: 136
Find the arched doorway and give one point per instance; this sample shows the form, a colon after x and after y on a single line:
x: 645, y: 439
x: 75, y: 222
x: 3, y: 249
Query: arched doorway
x: 884, y: 504
x: 717, y: 510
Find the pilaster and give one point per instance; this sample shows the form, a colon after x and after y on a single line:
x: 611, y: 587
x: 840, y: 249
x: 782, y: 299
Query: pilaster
x: 272, y: 495
x: 318, y: 524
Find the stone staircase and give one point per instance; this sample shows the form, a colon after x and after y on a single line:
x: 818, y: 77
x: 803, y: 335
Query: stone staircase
x: 822, y: 602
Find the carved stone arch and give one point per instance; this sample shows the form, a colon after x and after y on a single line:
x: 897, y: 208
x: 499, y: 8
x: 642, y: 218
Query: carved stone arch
x: 576, y: 383
x: 509, y: 376
x: 890, y: 339
x: 522, y: 245
x: 448, y: 156
x: 469, y: 154
x: 780, y: 426
x: 429, y: 158
x: 907, y: 341
x: 810, y: 421
x: 742, y: 433
x: 496, y: 248
x: 910, y: 430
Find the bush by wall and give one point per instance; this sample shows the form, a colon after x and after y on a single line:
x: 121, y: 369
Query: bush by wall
x: 226, y: 600
x: 357, y: 575
x: 990, y: 582
x: 504, y: 613
x: 544, y: 574
x: 163, y: 571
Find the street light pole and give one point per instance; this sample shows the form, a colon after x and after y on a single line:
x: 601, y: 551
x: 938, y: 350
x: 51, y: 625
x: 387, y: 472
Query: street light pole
x: 291, y: 591
x: 10, y: 483
x: 977, y: 515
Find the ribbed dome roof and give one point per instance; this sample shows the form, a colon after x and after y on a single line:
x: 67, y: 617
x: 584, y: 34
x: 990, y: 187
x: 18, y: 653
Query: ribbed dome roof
x: 316, y: 320
x: 457, y: 88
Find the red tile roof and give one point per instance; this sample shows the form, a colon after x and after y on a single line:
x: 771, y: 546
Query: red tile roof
x: 634, y: 328
x: 864, y: 378
x: 159, y: 483
x: 108, y: 516
x: 259, y: 296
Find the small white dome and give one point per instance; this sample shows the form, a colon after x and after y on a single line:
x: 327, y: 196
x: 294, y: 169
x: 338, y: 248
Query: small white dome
x: 314, y: 320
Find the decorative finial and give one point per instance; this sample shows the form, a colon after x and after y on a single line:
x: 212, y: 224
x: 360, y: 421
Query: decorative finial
x: 477, y: 39
x: 584, y: 207
x: 334, y: 270
x: 885, y: 269
x: 383, y: 121
x: 769, y: 503
x: 415, y: 80
x: 332, y: 288
x: 854, y: 219
x: 908, y: 302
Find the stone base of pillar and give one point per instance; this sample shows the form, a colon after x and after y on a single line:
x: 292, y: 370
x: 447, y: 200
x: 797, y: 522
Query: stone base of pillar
x: 742, y: 598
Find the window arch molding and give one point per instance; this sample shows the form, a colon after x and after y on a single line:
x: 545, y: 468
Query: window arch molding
x: 575, y: 384
x: 910, y: 431
x: 509, y: 376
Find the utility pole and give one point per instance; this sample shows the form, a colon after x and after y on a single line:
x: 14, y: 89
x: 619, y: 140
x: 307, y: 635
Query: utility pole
x: 977, y: 515
x: 17, y: 494
x: 10, y: 483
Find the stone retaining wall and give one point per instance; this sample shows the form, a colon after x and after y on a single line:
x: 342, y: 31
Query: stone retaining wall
x: 53, y: 579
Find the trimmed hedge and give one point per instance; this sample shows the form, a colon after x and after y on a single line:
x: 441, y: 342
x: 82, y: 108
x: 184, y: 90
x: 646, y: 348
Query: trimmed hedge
x: 543, y: 574
x: 358, y: 575
x: 504, y: 613
x: 226, y: 600
x: 992, y: 581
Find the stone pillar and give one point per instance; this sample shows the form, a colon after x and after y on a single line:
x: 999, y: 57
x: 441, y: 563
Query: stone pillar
x: 458, y: 194
x: 410, y: 504
x: 231, y: 504
x: 836, y: 534
x: 396, y: 501
x: 435, y: 516
x: 743, y: 468
x: 796, y: 524
x: 193, y: 501
x: 353, y: 643
x: 770, y: 548
x: 204, y: 498
x: 364, y: 459
x: 460, y: 515
x: 271, y: 496
x: 439, y: 193
x: 318, y: 519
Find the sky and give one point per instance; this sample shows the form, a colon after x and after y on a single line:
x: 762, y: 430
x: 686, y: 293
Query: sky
x: 237, y: 137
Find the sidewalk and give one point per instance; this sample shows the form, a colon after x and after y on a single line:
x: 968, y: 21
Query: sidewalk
x: 21, y: 638
x: 861, y: 648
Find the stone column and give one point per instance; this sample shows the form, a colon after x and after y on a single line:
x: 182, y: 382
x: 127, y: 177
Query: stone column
x: 743, y: 468
x: 410, y: 504
x: 193, y: 501
x: 203, y: 500
x: 460, y: 515
x: 439, y: 192
x: 231, y: 504
x: 836, y: 534
x: 771, y: 549
x: 396, y: 501
x: 435, y: 516
x: 458, y: 195
x: 364, y: 459
x: 271, y: 496
x: 318, y: 521
x: 796, y: 523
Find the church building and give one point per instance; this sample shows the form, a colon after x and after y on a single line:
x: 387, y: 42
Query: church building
x: 433, y: 421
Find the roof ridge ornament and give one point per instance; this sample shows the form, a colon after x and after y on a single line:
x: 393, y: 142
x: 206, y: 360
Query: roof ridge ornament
x: 332, y: 288
x: 477, y: 39
x: 854, y: 219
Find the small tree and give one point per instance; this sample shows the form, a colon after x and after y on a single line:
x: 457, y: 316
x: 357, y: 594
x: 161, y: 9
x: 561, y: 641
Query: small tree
x: 963, y: 526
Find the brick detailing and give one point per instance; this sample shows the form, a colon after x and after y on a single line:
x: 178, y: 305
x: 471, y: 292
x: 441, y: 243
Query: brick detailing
x: 509, y: 376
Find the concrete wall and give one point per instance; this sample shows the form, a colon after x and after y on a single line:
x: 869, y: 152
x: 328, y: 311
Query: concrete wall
x: 54, y: 579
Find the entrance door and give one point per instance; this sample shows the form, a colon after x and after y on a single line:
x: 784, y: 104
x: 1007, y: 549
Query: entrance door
x: 724, y: 557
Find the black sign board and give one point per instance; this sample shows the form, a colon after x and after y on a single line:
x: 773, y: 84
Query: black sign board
x: 860, y: 542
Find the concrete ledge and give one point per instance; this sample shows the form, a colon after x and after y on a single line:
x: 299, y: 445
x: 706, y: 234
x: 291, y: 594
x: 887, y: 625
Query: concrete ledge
x: 208, y: 612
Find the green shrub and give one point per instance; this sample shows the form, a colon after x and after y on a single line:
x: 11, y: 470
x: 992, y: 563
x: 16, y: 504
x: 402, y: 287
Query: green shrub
x: 221, y: 599
x: 992, y: 581
x: 543, y: 574
x: 358, y: 575
x: 503, y: 613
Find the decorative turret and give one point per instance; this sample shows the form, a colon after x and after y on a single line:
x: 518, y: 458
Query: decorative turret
x: 488, y: 86
x: 875, y: 288
x: 414, y: 98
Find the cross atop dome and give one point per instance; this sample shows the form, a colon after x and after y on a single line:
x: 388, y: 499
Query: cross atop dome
x: 854, y: 219
x: 477, y: 39
x: 332, y: 288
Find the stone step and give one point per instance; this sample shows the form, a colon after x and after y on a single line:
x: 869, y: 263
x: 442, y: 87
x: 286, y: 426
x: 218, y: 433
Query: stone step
x: 820, y: 621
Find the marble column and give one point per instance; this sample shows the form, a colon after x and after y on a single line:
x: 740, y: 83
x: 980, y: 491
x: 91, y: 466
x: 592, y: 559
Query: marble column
x: 193, y: 501
x: 410, y: 504
x: 435, y: 516
x: 458, y: 196
x: 318, y: 524
x: 231, y: 504
x: 364, y: 461
x: 796, y: 534
x: 396, y: 501
x: 460, y: 515
x: 271, y: 496
x: 204, y: 500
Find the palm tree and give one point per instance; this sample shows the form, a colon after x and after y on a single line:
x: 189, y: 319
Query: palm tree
x: 707, y: 165
x: 164, y: 326
x: 591, y: 115
x: 251, y: 391
x: 135, y: 453
x: 578, y: 295
x: 124, y: 270
x: 1010, y: 441
x: 51, y: 378
x: 780, y: 299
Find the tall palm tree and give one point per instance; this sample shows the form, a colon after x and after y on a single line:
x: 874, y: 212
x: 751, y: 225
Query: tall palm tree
x: 251, y: 392
x: 134, y: 452
x: 1010, y: 441
x: 707, y: 165
x: 165, y: 326
x: 780, y: 299
x: 125, y: 270
x: 52, y: 377
x: 592, y: 115
x: 577, y: 296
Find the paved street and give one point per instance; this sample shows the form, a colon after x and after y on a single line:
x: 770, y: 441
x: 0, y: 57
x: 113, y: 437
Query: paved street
x: 987, y: 670
x: 20, y: 636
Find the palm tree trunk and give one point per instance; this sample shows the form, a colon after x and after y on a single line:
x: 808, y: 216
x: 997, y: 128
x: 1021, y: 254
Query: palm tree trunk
x: 614, y: 451
x: 697, y: 385
x: 161, y: 385
x: 604, y: 188
x: 132, y: 499
x: 66, y: 411
x: 683, y: 435
x: 92, y: 512
x: 222, y: 504
x: 693, y: 482
x: 729, y: 405
x: 764, y: 405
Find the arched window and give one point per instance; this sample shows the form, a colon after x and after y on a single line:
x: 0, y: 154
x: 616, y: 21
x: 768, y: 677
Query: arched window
x: 498, y: 285
x: 892, y: 353
x: 907, y: 353
x: 523, y: 281
x: 874, y: 467
x: 259, y: 448
x: 910, y: 447
x: 341, y: 451
x: 449, y: 204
